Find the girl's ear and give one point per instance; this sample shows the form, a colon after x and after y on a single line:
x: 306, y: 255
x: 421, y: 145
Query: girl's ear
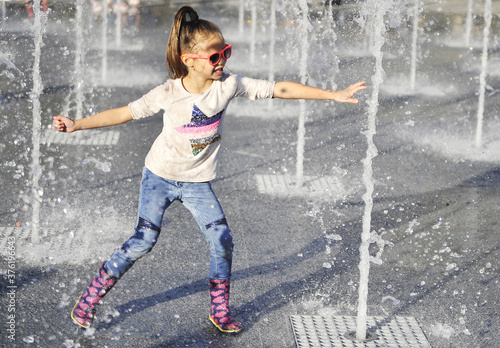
x: 187, y: 61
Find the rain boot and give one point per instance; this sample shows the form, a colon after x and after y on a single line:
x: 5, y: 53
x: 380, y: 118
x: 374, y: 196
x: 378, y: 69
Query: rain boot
x: 220, y: 315
x: 29, y: 9
x: 84, y: 310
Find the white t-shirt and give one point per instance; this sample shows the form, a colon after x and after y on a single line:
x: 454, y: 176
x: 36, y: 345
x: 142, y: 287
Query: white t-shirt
x: 187, y: 148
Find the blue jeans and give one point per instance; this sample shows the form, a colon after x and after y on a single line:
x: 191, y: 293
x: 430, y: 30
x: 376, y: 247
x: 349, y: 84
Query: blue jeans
x: 155, y: 197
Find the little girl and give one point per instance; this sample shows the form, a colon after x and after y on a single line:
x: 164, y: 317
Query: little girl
x: 183, y: 159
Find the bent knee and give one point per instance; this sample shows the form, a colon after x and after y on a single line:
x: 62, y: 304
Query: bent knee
x: 144, y: 239
x: 219, y: 235
x: 148, y: 225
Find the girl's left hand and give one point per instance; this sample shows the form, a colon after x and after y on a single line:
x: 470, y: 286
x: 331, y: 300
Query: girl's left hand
x: 63, y: 124
x: 345, y: 96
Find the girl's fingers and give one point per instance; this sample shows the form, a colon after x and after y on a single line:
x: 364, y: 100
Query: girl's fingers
x: 359, y: 86
x: 58, y: 123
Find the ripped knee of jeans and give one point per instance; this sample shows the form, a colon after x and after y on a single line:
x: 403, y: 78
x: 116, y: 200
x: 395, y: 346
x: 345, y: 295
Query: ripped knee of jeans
x: 144, y: 239
x: 219, y: 238
x: 145, y: 224
x: 219, y: 222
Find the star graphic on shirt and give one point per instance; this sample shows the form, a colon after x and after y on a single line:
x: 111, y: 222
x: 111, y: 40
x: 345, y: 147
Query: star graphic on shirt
x: 202, y: 131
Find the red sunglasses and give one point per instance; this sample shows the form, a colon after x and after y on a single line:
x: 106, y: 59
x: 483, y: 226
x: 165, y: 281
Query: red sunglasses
x: 214, y: 58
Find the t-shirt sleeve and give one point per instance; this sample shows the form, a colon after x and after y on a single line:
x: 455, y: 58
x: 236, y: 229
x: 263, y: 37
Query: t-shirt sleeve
x: 254, y: 88
x: 147, y: 105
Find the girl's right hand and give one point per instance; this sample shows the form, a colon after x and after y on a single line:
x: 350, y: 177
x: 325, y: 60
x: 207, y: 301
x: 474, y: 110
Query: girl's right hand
x: 63, y: 124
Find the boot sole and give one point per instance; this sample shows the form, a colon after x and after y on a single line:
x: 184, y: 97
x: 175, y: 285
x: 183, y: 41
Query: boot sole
x: 73, y: 318
x: 232, y: 331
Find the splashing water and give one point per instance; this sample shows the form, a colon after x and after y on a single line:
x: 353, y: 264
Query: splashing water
x: 253, y: 30
x: 104, y: 28
x: 37, y: 123
x: 332, y: 35
x: 4, y: 11
x: 301, y: 131
x: 378, y: 9
x: 414, y: 44
x: 482, y: 76
x: 468, y: 23
x: 241, y: 17
x: 272, y: 43
x: 79, y: 58
x: 118, y: 25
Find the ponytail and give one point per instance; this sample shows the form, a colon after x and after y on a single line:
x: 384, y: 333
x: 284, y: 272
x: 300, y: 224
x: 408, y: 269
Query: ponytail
x: 184, y: 35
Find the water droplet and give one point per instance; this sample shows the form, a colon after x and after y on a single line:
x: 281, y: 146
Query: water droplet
x: 29, y: 339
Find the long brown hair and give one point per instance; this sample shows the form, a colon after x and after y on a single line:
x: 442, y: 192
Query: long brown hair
x: 184, y: 35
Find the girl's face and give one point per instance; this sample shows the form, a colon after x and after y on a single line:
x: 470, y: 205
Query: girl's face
x: 202, y: 67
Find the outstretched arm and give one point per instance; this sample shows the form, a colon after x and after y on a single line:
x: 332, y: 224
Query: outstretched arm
x: 103, y: 119
x: 294, y: 90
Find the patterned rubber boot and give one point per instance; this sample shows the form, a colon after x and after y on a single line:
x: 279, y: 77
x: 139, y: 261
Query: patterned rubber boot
x: 84, y: 310
x: 29, y: 10
x: 220, y: 315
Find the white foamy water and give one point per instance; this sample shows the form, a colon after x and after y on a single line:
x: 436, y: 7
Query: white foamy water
x: 424, y: 86
x: 460, y: 146
x: 85, y: 244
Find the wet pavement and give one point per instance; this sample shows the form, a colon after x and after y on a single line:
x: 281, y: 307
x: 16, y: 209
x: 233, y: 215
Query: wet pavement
x: 296, y: 253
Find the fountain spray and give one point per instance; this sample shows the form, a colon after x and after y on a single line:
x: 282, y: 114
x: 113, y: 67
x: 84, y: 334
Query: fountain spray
x: 79, y: 59
x: 253, y: 31
x: 4, y: 13
x: 301, y: 131
x: 468, y: 23
x: 37, y: 124
x: 272, y: 42
x: 272, y: 45
x: 104, y: 43
x: 241, y: 17
x: 118, y: 25
x: 378, y: 10
x: 414, y: 44
x: 482, y: 76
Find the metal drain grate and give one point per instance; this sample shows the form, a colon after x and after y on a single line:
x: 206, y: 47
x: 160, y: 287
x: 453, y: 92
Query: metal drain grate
x: 22, y: 238
x: 16, y: 232
x: 50, y: 239
x: 333, y: 331
x: 285, y: 185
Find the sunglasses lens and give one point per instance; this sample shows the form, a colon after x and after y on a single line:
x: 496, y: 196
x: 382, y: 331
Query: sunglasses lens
x: 214, y: 58
x: 227, y: 53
